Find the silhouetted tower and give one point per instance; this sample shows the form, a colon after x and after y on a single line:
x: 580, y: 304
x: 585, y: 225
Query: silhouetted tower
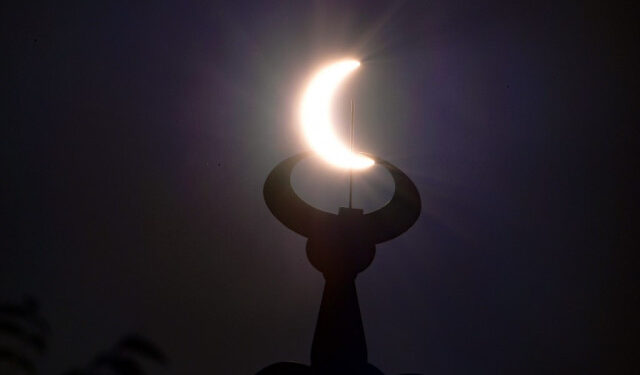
x: 340, y: 246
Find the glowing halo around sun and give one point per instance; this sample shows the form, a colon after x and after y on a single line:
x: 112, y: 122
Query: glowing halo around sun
x: 315, y: 117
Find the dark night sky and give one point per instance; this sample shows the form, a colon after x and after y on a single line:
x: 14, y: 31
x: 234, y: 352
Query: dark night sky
x: 136, y: 139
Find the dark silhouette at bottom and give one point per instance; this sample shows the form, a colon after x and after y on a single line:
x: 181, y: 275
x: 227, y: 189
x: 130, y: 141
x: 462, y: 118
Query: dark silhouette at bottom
x: 24, y: 334
x: 124, y: 357
x: 340, y: 246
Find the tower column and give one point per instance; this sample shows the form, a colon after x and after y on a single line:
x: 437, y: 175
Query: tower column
x: 339, y: 335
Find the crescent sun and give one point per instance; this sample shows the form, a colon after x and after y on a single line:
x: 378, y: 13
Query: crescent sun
x: 315, y: 117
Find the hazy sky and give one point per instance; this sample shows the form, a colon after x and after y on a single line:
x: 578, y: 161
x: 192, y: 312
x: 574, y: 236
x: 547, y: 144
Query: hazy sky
x: 136, y: 139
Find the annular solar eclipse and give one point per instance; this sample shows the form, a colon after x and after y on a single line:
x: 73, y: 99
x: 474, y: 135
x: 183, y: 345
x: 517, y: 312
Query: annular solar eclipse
x: 315, y: 116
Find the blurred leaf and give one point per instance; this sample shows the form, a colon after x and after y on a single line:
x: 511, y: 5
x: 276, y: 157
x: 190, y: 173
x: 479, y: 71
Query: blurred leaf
x: 28, y: 311
x: 11, y: 328
x: 120, y: 364
x: 76, y: 372
x: 9, y: 356
x: 38, y: 342
x: 17, y: 331
x: 140, y: 345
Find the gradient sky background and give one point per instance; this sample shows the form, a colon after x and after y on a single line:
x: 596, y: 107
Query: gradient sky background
x: 136, y: 139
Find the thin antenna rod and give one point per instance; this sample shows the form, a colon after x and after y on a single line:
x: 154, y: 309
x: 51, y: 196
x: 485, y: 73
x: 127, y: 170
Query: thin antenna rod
x: 351, y: 169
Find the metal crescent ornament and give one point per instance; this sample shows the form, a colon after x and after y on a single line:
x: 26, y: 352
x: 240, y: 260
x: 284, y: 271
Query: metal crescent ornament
x: 384, y: 224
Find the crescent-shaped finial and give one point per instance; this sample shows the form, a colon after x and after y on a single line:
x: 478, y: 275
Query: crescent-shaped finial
x: 400, y: 213
x: 287, y: 206
x: 386, y: 223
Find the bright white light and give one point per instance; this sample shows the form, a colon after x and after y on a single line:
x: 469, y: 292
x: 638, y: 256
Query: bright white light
x: 315, y: 117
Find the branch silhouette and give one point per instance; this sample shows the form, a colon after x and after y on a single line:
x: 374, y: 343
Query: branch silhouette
x: 124, y: 358
x: 23, y: 332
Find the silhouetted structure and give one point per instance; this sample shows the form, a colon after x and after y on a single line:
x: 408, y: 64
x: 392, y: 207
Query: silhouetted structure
x: 340, y: 246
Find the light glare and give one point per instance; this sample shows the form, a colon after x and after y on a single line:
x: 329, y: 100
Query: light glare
x: 315, y: 116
